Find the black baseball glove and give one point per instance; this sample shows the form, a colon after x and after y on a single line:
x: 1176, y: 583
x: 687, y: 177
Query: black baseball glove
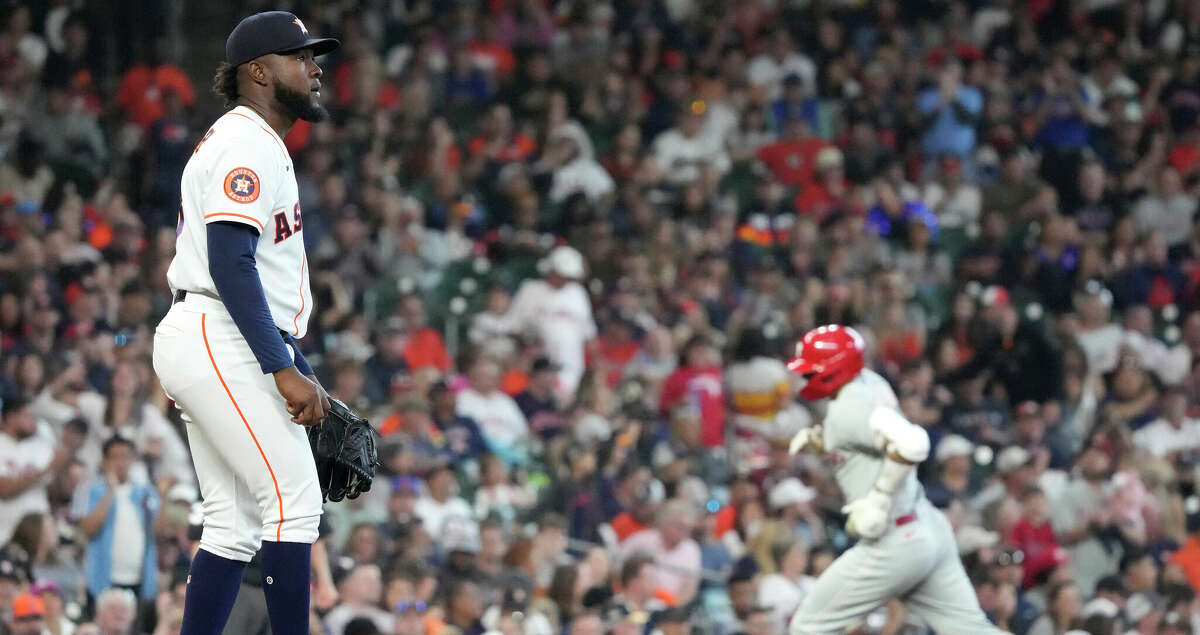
x: 343, y: 445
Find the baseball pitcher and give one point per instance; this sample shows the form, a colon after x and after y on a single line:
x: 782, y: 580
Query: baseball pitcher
x: 906, y: 548
x: 225, y: 352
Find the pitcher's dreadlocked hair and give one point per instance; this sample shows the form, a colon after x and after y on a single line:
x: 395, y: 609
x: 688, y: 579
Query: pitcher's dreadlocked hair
x: 225, y: 83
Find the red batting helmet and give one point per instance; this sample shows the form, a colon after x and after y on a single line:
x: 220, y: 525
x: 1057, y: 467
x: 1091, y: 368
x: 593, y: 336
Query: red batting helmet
x: 829, y: 357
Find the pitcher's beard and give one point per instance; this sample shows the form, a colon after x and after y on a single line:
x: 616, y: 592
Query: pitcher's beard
x: 299, y: 104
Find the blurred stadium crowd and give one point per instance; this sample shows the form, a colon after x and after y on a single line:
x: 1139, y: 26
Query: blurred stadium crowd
x: 561, y: 250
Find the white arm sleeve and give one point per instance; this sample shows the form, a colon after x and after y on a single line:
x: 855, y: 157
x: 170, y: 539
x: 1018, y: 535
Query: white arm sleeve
x: 904, y: 437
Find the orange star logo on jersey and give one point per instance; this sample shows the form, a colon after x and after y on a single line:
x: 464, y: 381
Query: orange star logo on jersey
x: 300, y: 24
x: 241, y: 185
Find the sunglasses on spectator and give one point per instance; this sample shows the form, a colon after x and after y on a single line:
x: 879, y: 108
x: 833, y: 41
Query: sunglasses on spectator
x: 1010, y: 557
x: 419, y: 607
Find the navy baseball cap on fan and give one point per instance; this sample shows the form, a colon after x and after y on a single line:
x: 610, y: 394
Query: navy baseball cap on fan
x: 272, y: 32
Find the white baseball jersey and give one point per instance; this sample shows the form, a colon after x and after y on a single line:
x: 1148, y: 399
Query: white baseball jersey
x: 857, y: 447
x: 241, y: 172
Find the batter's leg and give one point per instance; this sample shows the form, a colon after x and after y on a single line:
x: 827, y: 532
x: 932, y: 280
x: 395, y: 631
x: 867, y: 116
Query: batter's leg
x: 861, y: 580
x: 945, y: 599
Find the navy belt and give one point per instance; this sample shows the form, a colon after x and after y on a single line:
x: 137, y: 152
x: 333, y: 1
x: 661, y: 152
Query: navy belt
x: 181, y: 294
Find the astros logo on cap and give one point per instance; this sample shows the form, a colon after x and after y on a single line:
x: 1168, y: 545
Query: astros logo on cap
x: 300, y: 24
x: 241, y: 185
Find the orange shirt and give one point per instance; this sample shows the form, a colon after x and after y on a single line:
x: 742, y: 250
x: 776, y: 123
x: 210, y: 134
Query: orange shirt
x: 514, y: 382
x: 142, y: 90
x: 625, y: 526
x: 1188, y: 559
x: 424, y: 349
x: 518, y: 148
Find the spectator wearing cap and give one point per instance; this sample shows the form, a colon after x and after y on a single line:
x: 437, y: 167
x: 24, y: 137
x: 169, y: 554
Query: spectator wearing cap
x: 500, y: 420
x: 539, y: 402
x: 676, y: 555
x: 28, y: 615
x: 440, y: 501
x: 1015, y: 473
x: 828, y: 191
x: 111, y: 505
x: 558, y: 309
x: 1081, y: 517
x: 460, y: 545
x: 28, y: 460
x: 953, y: 481
x: 360, y: 590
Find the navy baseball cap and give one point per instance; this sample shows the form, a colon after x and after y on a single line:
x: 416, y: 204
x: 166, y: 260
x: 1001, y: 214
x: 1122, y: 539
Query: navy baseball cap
x: 272, y: 32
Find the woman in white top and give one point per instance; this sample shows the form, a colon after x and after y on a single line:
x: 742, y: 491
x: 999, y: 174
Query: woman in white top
x: 784, y: 590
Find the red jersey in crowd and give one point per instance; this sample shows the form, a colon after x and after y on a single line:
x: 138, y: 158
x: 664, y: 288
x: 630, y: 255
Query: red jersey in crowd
x: 793, y: 160
x: 1040, y: 546
x: 701, y: 389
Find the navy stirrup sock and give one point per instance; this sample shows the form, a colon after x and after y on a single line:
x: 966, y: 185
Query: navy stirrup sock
x: 212, y: 587
x: 285, y: 567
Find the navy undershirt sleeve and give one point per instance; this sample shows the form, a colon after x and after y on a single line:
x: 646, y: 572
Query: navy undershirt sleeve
x: 302, y: 364
x: 231, y: 264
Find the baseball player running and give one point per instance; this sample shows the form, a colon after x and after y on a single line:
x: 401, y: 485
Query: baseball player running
x: 906, y: 548
x: 225, y: 352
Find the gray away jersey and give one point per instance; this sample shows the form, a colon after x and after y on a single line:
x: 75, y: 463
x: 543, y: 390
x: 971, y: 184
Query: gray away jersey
x: 858, y: 451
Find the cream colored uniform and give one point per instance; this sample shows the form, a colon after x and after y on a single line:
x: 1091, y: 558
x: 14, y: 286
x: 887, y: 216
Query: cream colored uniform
x: 254, y: 465
x: 915, y: 560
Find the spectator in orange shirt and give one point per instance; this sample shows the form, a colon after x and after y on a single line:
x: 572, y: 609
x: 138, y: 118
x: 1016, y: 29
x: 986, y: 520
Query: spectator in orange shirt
x: 424, y: 348
x: 497, y: 142
x: 145, y: 84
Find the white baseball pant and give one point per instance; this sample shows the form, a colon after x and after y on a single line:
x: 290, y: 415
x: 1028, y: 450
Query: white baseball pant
x: 255, y: 466
x: 916, y: 563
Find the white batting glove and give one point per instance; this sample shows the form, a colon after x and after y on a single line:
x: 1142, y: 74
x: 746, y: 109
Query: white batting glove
x: 868, y: 516
x: 810, y: 440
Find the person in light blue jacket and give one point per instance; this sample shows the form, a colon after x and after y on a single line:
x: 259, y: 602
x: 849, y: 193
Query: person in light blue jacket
x: 118, y: 517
